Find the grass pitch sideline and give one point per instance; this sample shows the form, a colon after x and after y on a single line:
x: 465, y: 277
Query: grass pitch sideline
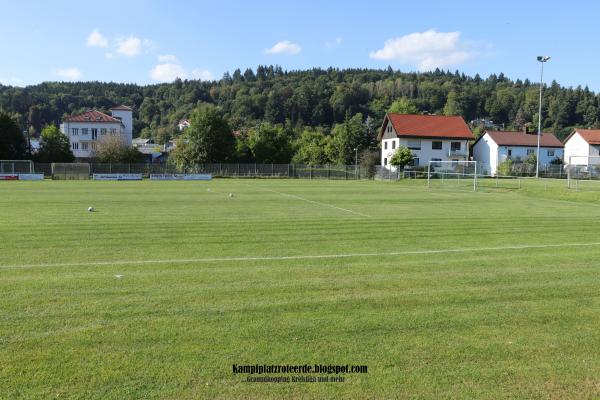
x: 513, y: 322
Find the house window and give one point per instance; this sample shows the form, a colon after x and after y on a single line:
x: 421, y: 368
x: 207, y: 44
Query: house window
x: 455, y: 146
x: 436, y: 145
x: 436, y: 162
x: 414, y: 162
x: 530, y: 152
x: 113, y: 131
x: 550, y: 153
x: 75, y: 146
x: 389, y: 128
x: 84, y: 146
x: 75, y: 131
x: 93, y: 146
x: 393, y: 144
x: 385, y: 161
x: 509, y: 152
x: 385, y: 145
x: 414, y: 144
x: 103, y: 131
x: 84, y: 131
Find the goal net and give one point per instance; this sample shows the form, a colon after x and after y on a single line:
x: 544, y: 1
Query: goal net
x: 16, y: 167
x: 583, y: 172
x: 70, y: 171
x: 456, y: 174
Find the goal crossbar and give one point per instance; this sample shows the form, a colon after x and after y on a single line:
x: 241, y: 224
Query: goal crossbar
x: 457, y: 169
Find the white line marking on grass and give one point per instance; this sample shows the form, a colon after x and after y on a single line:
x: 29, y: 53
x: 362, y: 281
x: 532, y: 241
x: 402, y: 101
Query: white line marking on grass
x: 315, y: 202
x: 300, y: 257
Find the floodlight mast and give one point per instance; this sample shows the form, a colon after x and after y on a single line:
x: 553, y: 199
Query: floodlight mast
x: 542, y: 60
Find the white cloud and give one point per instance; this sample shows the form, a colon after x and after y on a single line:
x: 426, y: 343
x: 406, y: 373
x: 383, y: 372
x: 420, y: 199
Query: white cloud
x: 130, y: 46
x: 69, y: 74
x: 167, y: 58
x: 330, y: 44
x: 109, y: 55
x: 427, y: 50
x: 284, y: 47
x: 202, y: 74
x: 96, y: 39
x: 168, y: 72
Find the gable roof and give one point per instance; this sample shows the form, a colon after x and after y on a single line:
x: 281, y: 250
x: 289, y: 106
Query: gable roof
x: 522, y: 139
x: 92, y: 116
x: 122, y: 107
x: 591, y: 136
x: 433, y: 126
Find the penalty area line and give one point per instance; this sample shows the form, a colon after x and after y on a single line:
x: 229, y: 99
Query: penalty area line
x: 299, y: 257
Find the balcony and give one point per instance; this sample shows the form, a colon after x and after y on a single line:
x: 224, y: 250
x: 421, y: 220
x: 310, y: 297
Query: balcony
x: 457, y: 153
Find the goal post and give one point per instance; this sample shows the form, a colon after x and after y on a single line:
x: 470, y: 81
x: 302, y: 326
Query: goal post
x: 452, y: 173
x: 70, y: 171
x: 583, y: 172
x: 16, y: 167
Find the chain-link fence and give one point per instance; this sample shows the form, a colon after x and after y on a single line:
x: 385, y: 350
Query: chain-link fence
x: 230, y: 170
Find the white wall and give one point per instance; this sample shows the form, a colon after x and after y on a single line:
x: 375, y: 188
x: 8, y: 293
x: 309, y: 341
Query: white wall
x: 485, y: 152
x: 577, y: 146
x: 520, y: 153
x: 126, y: 117
x: 80, y: 139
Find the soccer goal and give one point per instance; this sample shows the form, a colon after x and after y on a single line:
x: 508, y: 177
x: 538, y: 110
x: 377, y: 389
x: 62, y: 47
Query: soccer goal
x: 16, y: 167
x: 459, y: 174
x: 70, y: 171
x: 583, y: 172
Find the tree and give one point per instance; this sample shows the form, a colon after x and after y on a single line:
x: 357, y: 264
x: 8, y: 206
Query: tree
x: 54, y: 146
x: 13, y: 145
x: 209, y: 139
x: 345, y: 138
x: 113, y: 149
x: 369, y: 160
x: 310, y: 147
x: 452, y: 106
x: 402, y: 157
x: 403, y: 106
x: 270, y: 144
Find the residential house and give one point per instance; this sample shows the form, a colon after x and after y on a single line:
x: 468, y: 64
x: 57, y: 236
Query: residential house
x: 85, y: 130
x: 581, y: 145
x: 429, y: 137
x: 494, y: 147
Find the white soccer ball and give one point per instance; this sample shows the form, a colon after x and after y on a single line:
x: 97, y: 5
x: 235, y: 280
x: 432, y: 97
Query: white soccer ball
x: 230, y: 194
x: 90, y: 209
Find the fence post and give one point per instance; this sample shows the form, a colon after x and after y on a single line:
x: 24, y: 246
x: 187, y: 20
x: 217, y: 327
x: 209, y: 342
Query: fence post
x: 129, y: 167
x: 310, y: 171
x: 110, y: 168
x: 255, y: 170
x: 272, y: 170
x: 346, y: 172
x: 328, y: 171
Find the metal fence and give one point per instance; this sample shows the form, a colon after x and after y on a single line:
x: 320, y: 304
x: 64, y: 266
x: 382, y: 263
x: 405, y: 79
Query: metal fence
x: 231, y: 170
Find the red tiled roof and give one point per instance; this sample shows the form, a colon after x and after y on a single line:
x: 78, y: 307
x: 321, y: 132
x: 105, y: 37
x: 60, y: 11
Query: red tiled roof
x: 592, y: 136
x: 522, y: 139
x: 438, y: 126
x: 92, y: 116
x: 122, y: 107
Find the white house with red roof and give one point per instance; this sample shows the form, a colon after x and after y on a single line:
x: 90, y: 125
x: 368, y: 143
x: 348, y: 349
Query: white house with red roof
x: 581, y: 145
x: 87, y: 129
x: 429, y: 137
x: 494, y: 147
x: 184, y: 123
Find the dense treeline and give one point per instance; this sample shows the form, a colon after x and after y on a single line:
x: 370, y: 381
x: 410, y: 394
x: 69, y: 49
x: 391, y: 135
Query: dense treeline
x: 313, y: 100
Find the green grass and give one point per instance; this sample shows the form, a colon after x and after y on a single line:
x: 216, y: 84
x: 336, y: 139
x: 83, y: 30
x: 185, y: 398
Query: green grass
x: 496, y: 323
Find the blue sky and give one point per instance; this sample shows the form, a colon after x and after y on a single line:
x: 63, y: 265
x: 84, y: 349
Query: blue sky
x: 152, y: 41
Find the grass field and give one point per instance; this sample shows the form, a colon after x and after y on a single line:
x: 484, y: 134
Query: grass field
x: 442, y: 293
